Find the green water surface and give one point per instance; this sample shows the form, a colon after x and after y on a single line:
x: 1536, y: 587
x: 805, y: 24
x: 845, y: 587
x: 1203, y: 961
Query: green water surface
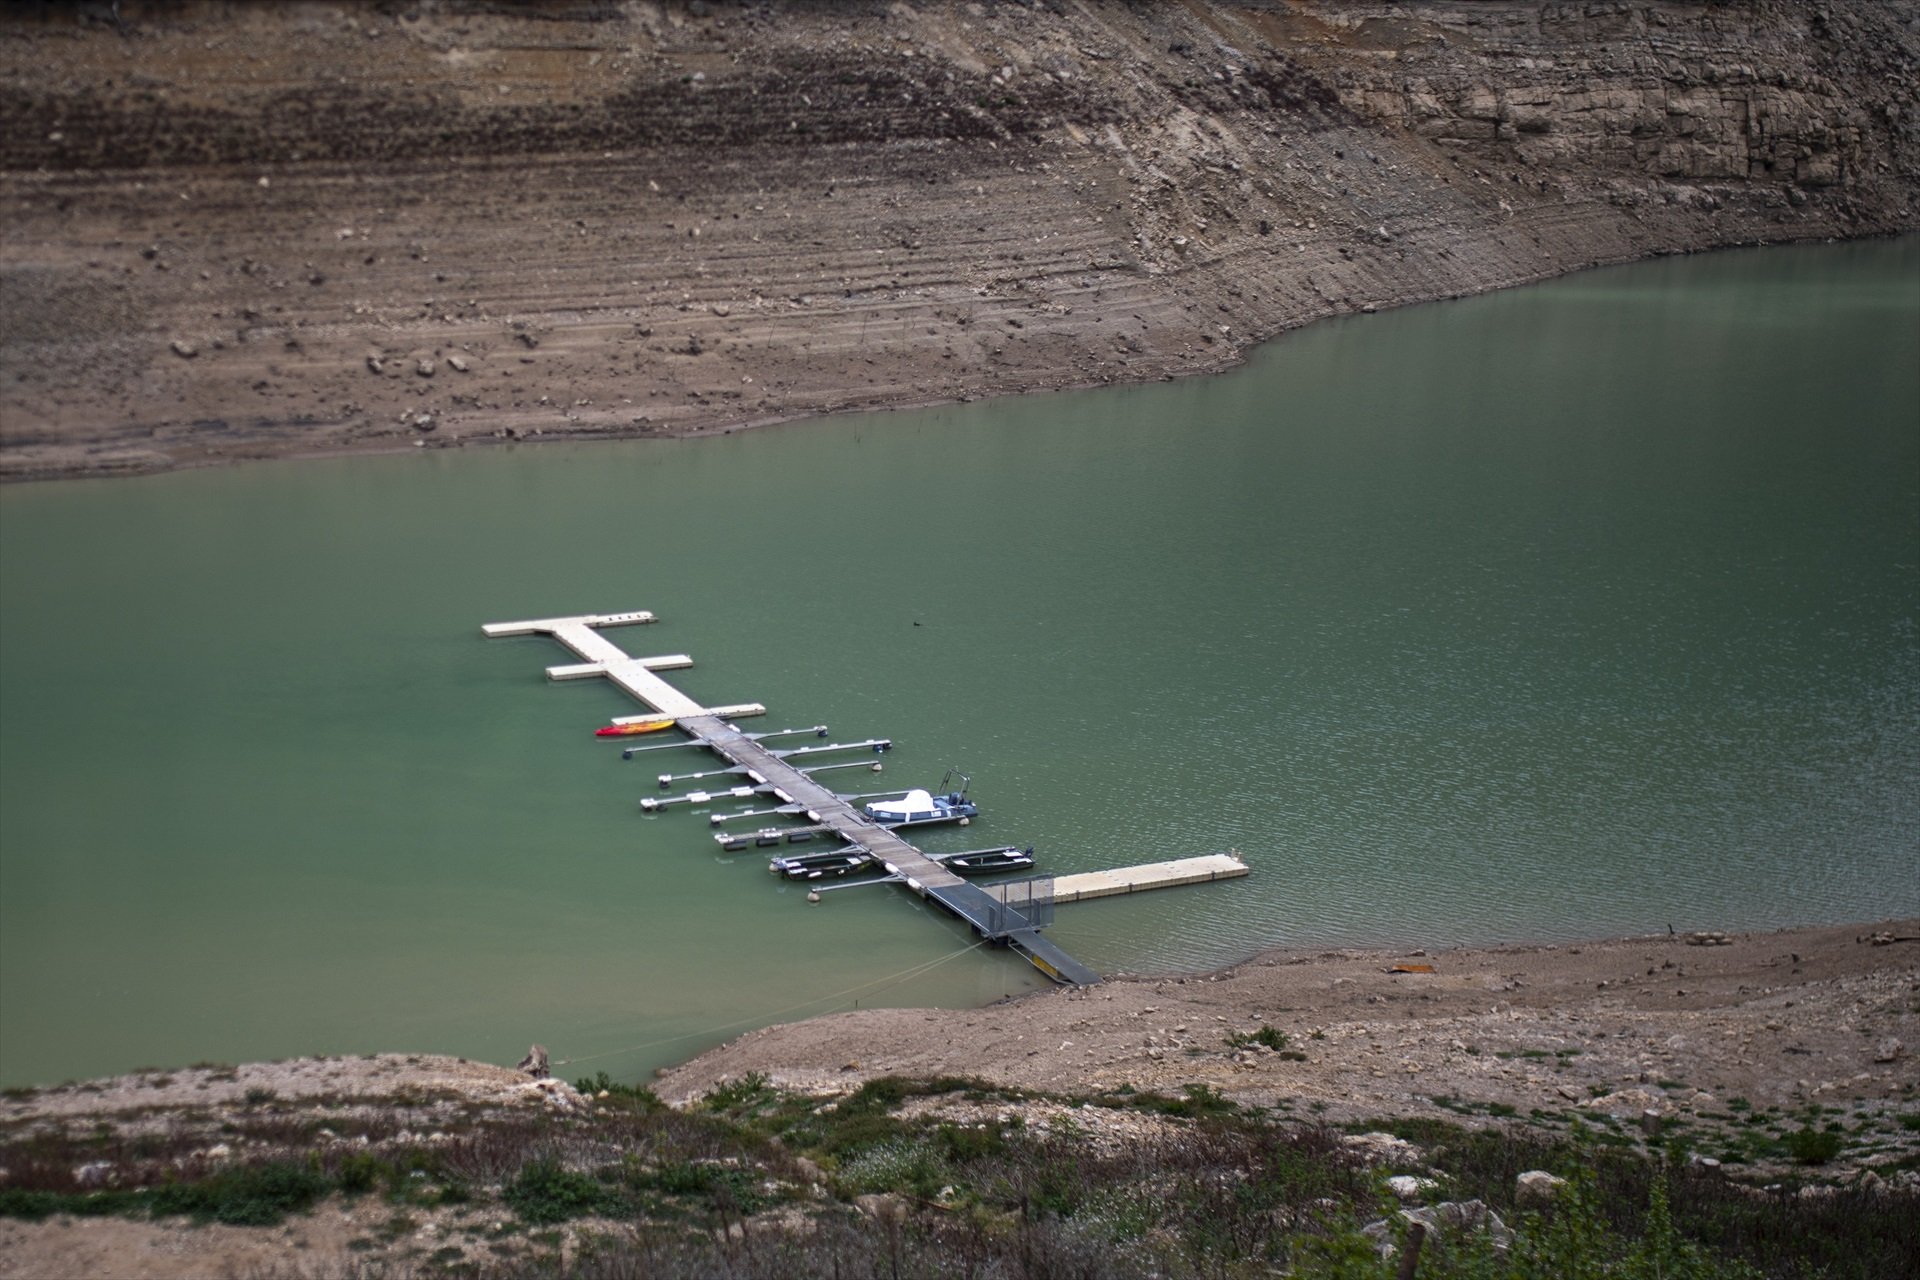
x: 1576, y: 610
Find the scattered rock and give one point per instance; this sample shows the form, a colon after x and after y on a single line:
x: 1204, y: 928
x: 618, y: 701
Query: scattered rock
x: 1383, y: 1148
x: 1709, y: 938
x: 1407, y: 1188
x: 535, y: 1063
x: 376, y: 364
x: 883, y: 1207
x: 1449, y: 1217
x: 424, y: 368
x: 1889, y: 1050
x: 557, y: 1094
x: 97, y: 1173
x: 1536, y: 1187
x: 458, y: 363
x: 1630, y: 1104
x: 184, y: 349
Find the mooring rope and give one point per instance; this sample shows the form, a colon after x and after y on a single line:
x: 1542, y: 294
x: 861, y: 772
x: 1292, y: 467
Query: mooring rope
x: 901, y: 976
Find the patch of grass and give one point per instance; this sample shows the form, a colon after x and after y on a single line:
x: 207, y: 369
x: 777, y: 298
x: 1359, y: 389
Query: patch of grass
x: 1269, y: 1037
x: 633, y: 1096
x: 1201, y: 1100
x: 734, y: 1097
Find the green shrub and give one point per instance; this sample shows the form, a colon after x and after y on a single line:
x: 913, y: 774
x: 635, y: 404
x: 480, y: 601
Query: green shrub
x: 743, y: 1095
x: 546, y: 1192
x: 1813, y: 1146
x: 909, y: 1165
x: 1271, y: 1037
x: 249, y: 1196
x: 963, y: 1145
x: 17, y: 1202
x: 360, y: 1172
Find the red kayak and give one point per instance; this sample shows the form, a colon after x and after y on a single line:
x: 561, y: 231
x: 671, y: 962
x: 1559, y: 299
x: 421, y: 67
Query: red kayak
x: 632, y: 727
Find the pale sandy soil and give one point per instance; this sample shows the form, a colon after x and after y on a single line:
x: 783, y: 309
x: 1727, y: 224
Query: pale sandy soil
x: 1618, y: 1027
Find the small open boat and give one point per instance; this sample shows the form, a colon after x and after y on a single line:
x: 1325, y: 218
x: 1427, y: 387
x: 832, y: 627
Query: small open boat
x: 632, y: 727
x: 986, y: 862
x: 816, y: 866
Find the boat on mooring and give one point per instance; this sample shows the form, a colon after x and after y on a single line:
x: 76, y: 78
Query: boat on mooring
x: 819, y: 866
x: 632, y: 727
x: 920, y: 806
x: 986, y: 862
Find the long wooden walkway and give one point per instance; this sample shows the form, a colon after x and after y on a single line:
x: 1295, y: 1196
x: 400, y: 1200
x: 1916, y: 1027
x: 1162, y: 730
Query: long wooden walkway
x: 987, y: 914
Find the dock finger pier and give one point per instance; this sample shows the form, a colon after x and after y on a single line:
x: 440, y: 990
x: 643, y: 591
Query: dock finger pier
x: 796, y: 808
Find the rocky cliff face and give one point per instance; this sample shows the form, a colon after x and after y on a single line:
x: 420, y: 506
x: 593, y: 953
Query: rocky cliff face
x: 235, y: 231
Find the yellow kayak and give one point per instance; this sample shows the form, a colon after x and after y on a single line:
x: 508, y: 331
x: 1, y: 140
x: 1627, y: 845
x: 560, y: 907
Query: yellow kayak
x: 632, y: 727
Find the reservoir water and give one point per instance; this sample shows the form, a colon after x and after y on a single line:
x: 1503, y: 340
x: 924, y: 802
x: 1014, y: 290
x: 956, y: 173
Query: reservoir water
x: 1577, y: 610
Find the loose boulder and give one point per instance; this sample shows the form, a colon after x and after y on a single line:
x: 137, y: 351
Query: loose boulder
x: 1536, y: 1187
x: 1407, y: 1188
x: 1449, y: 1217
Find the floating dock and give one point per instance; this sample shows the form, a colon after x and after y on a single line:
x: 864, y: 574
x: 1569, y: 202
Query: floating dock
x: 1010, y: 914
x: 1146, y: 876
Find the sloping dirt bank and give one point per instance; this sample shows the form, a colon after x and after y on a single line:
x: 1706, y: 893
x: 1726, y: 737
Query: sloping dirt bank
x: 1675, y: 1025
x: 239, y: 231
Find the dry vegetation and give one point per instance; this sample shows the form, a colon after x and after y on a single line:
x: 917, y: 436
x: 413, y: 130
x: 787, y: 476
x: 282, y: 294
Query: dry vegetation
x: 1724, y: 1112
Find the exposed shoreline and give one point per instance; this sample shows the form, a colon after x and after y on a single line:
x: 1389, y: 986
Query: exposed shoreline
x: 1782, y: 1018
x: 291, y: 231
x: 85, y: 462
x: 1842, y: 992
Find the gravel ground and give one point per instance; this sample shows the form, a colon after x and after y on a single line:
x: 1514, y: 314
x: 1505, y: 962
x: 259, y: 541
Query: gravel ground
x: 1678, y: 1025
